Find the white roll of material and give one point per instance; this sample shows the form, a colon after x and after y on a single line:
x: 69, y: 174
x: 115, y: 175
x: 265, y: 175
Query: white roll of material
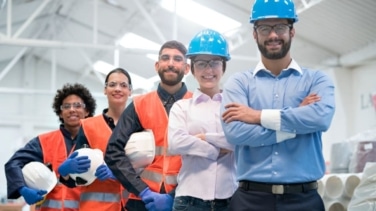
x: 334, y: 186
x: 336, y: 205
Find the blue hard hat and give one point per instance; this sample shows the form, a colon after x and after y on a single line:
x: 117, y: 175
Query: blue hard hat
x: 263, y: 9
x: 208, y: 42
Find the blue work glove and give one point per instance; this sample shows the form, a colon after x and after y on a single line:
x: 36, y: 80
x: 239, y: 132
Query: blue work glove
x: 32, y: 196
x: 156, y: 201
x: 103, y: 173
x: 74, y: 165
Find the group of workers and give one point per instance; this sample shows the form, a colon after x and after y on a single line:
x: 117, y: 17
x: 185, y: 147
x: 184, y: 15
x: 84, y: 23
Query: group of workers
x: 255, y: 145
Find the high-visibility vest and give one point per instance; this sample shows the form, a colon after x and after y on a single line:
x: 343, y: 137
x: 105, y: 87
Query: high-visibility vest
x: 100, y: 195
x: 55, y: 152
x: 165, y: 167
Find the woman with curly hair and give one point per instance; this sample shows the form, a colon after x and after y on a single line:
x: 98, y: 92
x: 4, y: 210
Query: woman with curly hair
x: 71, y: 104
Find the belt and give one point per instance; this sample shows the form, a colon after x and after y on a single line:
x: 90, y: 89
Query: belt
x: 210, y: 203
x: 278, y: 189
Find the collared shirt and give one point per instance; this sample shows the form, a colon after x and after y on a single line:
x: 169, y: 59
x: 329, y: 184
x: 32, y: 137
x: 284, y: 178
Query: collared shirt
x: 205, y: 173
x: 129, y: 123
x: 262, y: 154
x: 32, y: 151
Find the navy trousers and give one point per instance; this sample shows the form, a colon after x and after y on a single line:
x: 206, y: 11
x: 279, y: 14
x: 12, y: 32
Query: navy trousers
x: 243, y: 200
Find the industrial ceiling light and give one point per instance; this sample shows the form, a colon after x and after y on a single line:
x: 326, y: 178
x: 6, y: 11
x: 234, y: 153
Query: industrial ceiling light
x: 103, y: 67
x: 132, y: 40
x: 217, y: 21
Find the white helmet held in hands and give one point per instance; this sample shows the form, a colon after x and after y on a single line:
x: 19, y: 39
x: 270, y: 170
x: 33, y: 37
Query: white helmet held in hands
x: 96, y: 159
x: 141, y: 148
x: 38, y: 176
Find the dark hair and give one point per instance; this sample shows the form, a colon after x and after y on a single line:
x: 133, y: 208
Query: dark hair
x: 120, y: 70
x: 223, y: 62
x: 173, y: 44
x: 74, y: 89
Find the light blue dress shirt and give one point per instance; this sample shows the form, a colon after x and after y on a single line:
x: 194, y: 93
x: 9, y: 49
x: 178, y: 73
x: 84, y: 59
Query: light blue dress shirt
x: 205, y: 173
x: 286, y: 147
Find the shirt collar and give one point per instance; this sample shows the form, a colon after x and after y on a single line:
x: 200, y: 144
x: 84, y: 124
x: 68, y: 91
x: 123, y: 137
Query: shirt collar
x: 199, y: 97
x: 293, y: 66
x: 109, y: 120
x: 164, y: 95
x: 65, y: 132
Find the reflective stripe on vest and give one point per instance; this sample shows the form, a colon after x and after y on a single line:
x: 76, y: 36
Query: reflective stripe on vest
x: 55, y: 152
x: 156, y: 177
x: 161, y: 151
x: 57, y: 204
x: 100, y: 197
x: 165, y: 168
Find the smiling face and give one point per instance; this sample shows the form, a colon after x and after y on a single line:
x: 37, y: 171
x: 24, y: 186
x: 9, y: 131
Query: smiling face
x: 117, y: 89
x: 73, y: 113
x: 208, y: 71
x: 275, y: 44
x: 171, y: 66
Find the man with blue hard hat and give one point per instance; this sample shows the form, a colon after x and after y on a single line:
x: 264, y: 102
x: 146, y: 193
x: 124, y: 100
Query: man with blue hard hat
x: 275, y: 114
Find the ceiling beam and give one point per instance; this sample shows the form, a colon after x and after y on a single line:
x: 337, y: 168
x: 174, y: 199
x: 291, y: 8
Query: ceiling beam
x: 52, y: 44
x: 306, y: 4
x: 13, y: 62
x: 354, y: 58
x: 150, y: 20
x: 31, y: 18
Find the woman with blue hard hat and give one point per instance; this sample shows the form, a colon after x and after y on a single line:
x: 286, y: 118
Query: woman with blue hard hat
x: 274, y: 115
x: 206, y: 180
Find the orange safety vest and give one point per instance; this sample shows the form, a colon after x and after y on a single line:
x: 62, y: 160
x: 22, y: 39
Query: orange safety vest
x: 100, y: 195
x: 55, y: 152
x: 165, y: 167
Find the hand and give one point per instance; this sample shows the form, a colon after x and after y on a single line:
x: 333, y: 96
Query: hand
x: 224, y: 151
x: 312, y: 98
x: 74, y: 164
x: 156, y: 201
x: 201, y: 136
x: 104, y: 173
x: 32, y: 196
x: 239, y: 112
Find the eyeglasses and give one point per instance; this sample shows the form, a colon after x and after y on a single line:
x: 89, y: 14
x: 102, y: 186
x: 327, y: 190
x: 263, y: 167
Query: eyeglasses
x: 166, y: 58
x: 114, y: 84
x: 279, y: 29
x: 202, y: 65
x: 68, y: 106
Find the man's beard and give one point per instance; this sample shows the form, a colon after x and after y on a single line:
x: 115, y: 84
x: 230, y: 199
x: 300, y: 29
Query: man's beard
x: 170, y: 82
x: 275, y: 55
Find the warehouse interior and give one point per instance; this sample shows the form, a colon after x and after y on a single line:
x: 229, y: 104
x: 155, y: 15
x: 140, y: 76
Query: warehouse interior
x: 47, y: 43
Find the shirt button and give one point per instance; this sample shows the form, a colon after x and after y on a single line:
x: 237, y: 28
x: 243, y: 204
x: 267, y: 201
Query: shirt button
x: 274, y: 172
x: 276, y: 153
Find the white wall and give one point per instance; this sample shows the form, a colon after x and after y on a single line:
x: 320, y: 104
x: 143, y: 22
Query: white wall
x: 354, y: 110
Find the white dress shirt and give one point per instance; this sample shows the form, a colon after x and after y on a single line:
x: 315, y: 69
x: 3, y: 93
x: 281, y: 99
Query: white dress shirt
x: 205, y: 173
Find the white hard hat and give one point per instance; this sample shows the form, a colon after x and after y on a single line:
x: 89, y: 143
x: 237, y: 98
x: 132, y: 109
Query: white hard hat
x: 96, y: 159
x: 38, y: 176
x: 141, y: 148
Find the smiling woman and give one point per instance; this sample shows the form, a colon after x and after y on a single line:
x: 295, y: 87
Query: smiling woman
x: 198, y: 137
x: 105, y: 192
x: 71, y: 104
